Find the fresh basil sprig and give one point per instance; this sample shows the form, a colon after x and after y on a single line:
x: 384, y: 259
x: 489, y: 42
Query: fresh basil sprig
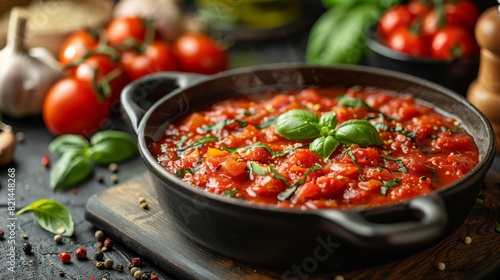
x: 78, y: 154
x: 302, y: 124
x: 51, y: 216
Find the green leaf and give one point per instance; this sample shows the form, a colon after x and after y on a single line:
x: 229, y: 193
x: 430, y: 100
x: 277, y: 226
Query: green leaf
x: 72, y: 168
x: 389, y: 184
x: 358, y: 132
x: 290, y: 190
x: 220, y: 125
x: 347, y: 101
x: 198, y: 143
x: 338, y: 35
x: 51, y: 216
x: 296, y: 125
x: 230, y: 193
x: 68, y: 142
x: 183, y: 171
x: 400, y: 163
x: 257, y: 169
x: 111, y: 146
x: 277, y: 175
x: 260, y: 145
x: 266, y: 124
x: 329, y: 120
x: 355, y: 162
x: 324, y: 146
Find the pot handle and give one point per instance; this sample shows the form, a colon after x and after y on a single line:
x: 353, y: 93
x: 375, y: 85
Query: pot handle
x: 425, y: 219
x: 138, y: 96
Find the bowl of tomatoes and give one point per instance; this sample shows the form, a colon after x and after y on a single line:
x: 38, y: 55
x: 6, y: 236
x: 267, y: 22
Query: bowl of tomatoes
x: 433, y: 40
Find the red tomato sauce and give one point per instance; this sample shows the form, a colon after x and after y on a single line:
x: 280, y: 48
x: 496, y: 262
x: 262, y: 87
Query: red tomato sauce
x: 233, y: 149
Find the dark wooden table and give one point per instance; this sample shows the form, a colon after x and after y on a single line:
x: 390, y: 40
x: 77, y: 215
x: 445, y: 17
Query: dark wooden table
x: 478, y: 260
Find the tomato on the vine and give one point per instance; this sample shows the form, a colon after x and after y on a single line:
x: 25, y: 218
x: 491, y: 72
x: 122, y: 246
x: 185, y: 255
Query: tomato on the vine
x: 103, y: 70
x: 123, y: 30
x: 464, y: 12
x: 394, y: 18
x: 453, y: 42
x: 77, y: 45
x: 199, y: 53
x: 406, y: 41
x: 418, y: 8
x: 72, y: 106
x: 157, y: 56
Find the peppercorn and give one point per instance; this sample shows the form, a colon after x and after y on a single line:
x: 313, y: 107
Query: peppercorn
x: 108, y: 263
x: 98, y: 256
x: 113, y: 167
x: 119, y: 267
x: 108, y: 243
x: 24, y: 236
x: 58, y: 238
x: 114, y: 179
x: 45, y: 162
x: 62, y: 273
x: 99, y: 235
x: 65, y: 257
x: 141, y: 200
x: 136, y: 262
x: 138, y: 274
x: 27, y: 248
x: 146, y: 276
x: 144, y: 205
x: 441, y: 266
x: 467, y: 240
x: 81, y: 253
x: 99, y: 265
x: 99, y: 178
x: 2, y: 233
x: 104, y: 248
x: 133, y: 270
x: 154, y: 277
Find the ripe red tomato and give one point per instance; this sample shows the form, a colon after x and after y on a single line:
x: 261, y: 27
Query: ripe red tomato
x: 418, y: 8
x: 464, y: 12
x: 71, y: 106
x: 392, y: 19
x: 157, y: 57
x: 199, y: 53
x: 76, y: 45
x: 405, y: 41
x: 105, y: 68
x: 453, y: 42
x: 125, y: 29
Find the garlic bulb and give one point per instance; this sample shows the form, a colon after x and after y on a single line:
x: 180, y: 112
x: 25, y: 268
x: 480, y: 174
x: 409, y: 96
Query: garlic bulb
x: 25, y: 75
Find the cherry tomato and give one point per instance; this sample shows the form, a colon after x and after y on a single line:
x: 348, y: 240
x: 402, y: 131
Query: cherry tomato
x: 105, y: 68
x: 125, y: 29
x: 405, y: 41
x: 76, y: 45
x: 392, y: 19
x: 453, y: 42
x: 464, y: 12
x: 200, y: 54
x: 72, y: 106
x: 157, y: 57
x: 418, y: 8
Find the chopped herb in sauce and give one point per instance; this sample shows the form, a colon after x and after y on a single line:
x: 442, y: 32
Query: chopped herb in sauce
x: 389, y: 184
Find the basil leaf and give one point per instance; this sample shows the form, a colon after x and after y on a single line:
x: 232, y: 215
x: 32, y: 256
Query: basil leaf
x: 277, y: 175
x: 358, y: 132
x: 347, y: 101
x: 266, y: 124
x: 72, y: 168
x: 198, y: 143
x: 401, y: 165
x: 290, y: 190
x: 183, y: 171
x: 260, y: 145
x: 355, y: 162
x: 220, y: 125
x: 51, y: 216
x: 257, y: 169
x: 296, y: 124
x: 329, y: 120
x: 68, y: 142
x: 230, y: 193
x: 338, y: 34
x: 324, y: 146
x: 389, y: 184
x: 111, y: 146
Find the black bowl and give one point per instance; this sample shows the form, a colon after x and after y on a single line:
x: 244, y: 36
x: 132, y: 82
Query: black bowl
x: 273, y: 237
x: 456, y: 74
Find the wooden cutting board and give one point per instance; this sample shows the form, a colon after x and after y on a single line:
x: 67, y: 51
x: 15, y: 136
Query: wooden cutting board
x: 149, y: 233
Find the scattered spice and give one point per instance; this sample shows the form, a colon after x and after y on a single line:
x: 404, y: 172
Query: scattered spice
x: 133, y: 270
x: 27, y: 248
x: 138, y: 274
x: 339, y: 277
x: 108, y: 263
x: 99, y: 265
x: 24, y: 236
x: 441, y: 266
x: 467, y: 240
x: 98, y: 256
x: 144, y: 205
x: 2, y: 233
x: 113, y: 167
x: 136, y: 262
x: 81, y: 253
x: 20, y: 137
x: 108, y: 243
x: 141, y: 200
x: 99, y: 244
x: 45, y: 162
x: 62, y: 273
x: 99, y: 235
x: 114, y: 179
x: 99, y: 178
x: 119, y: 267
x: 65, y: 257
x: 74, y: 191
x: 58, y: 238
x: 154, y: 277
x: 146, y: 276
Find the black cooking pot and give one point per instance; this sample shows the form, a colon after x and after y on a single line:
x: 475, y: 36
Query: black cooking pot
x: 306, y: 240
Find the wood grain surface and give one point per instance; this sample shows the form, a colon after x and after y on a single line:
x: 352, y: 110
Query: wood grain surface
x: 149, y: 233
